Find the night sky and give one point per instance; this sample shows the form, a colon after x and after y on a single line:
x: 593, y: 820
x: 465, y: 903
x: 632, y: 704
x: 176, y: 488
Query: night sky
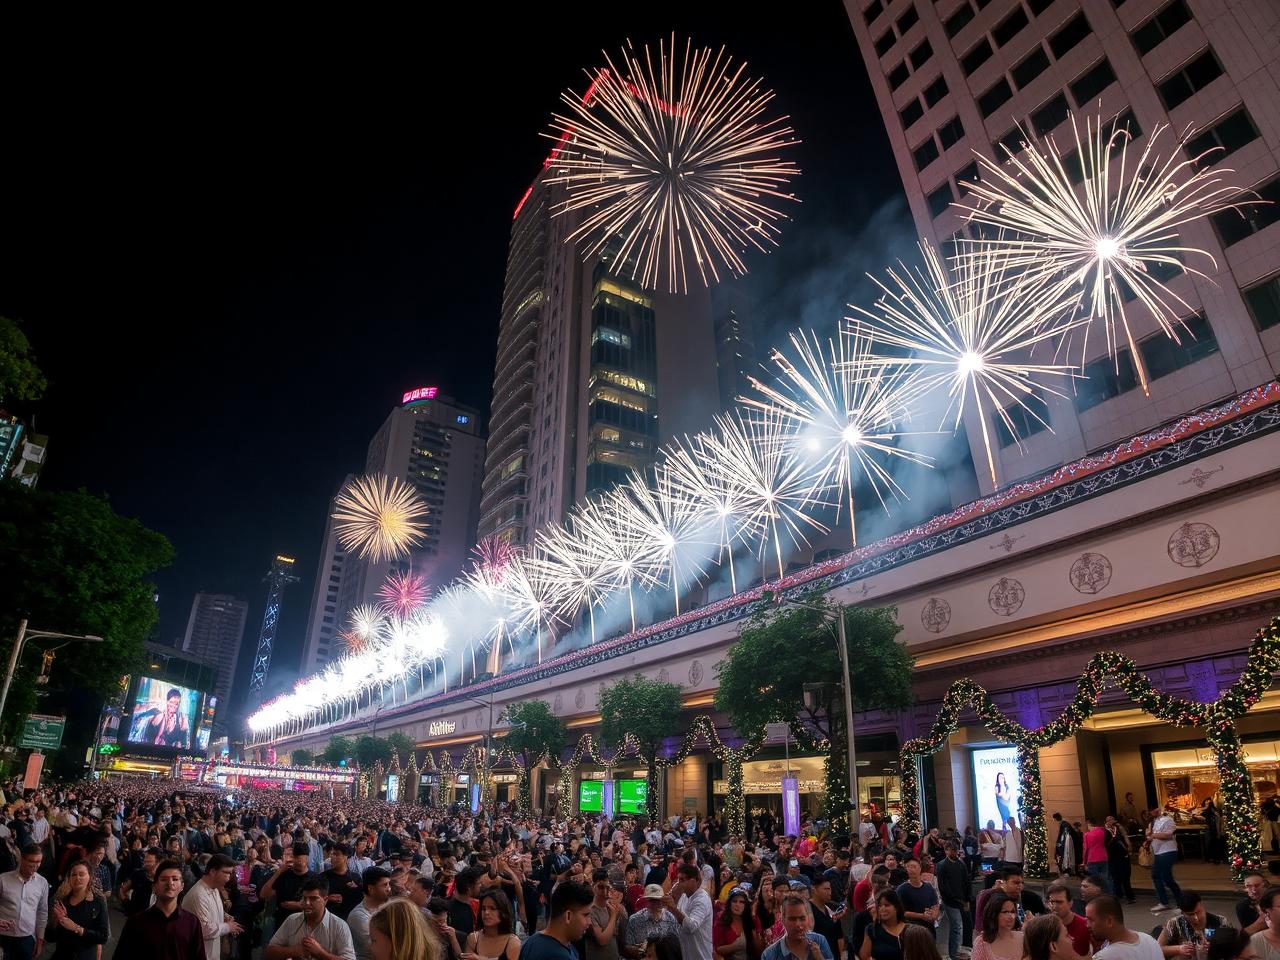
x: 233, y: 254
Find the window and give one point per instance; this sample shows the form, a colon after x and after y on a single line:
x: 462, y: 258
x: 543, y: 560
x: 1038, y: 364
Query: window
x: 1009, y: 27
x: 1127, y: 122
x: 1105, y: 378
x: 966, y: 176
x: 1152, y: 33
x: 874, y: 9
x: 925, y: 154
x: 1050, y: 115
x: 1028, y: 418
x: 1264, y: 303
x: 939, y: 200
x: 1010, y: 144
x: 1076, y: 29
x: 1234, y: 225
x: 885, y: 43
x: 1092, y: 82
x: 1182, y: 84
x: 993, y: 99
x: 912, y: 112
x: 958, y: 20
x: 1039, y: 6
x: 920, y: 55
x: 976, y: 57
x: 1031, y: 66
x: 1162, y: 355
x: 908, y: 20
x: 898, y: 76
x: 951, y: 132
x: 1224, y: 138
x: 935, y: 92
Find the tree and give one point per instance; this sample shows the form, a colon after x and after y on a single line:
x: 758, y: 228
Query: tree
x: 369, y: 750
x: 783, y: 649
x: 338, y: 749
x: 302, y: 758
x: 399, y: 743
x: 21, y: 381
x: 70, y: 563
x: 535, y: 730
x: 647, y: 709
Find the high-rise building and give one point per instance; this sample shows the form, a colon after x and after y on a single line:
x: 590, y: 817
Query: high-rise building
x: 594, y: 374
x: 327, y: 598
x: 435, y: 444
x: 965, y: 77
x: 735, y: 344
x: 215, y: 632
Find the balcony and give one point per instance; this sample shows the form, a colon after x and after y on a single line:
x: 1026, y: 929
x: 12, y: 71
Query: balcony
x: 500, y: 426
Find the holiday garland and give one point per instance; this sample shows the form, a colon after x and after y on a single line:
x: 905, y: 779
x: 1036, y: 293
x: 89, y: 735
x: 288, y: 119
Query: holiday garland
x: 1218, y: 719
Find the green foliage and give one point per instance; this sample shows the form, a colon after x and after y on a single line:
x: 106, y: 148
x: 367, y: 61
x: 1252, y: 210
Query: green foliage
x: 784, y: 648
x: 21, y: 381
x: 647, y: 709
x: 401, y: 744
x: 534, y: 730
x: 369, y: 750
x: 70, y: 564
x: 338, y: 749
x: 302, y: 758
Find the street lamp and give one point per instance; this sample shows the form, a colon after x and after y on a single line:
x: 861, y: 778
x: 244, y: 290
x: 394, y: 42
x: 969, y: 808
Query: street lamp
x: 488, y: 739
x: 23, y: 636
x: 855, y: 812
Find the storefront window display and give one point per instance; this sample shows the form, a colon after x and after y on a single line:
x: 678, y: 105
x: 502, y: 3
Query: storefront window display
x: 1186, y: 778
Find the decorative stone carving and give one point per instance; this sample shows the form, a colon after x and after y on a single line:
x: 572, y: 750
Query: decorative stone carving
x: 1194, y: 544
x: 1006, y: 596
x: 936, y: 615
x: 1090, y: 573
x: 695, y: 673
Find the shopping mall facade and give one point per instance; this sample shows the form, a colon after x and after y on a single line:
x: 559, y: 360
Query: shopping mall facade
x: 1164, y: 548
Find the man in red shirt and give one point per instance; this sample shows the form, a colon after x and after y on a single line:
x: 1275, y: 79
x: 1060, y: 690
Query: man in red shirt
x: 164, y: 931
x: 1058, y: 897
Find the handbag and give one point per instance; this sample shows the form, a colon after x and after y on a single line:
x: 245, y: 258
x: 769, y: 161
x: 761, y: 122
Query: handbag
x: 1145, y: 857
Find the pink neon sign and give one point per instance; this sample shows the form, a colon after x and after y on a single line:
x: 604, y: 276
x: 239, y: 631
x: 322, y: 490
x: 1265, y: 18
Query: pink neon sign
x: 421, y: 393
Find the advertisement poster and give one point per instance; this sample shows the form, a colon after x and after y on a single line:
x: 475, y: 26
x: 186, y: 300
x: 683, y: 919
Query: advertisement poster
x: 606, y: 798
x: 632, y: 795
x: 589, y: 796
x: 164, y: 714
x: 790, y: 806
x: 995, y: 784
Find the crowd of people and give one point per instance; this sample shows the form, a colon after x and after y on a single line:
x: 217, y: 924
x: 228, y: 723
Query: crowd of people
x: 257, y: 873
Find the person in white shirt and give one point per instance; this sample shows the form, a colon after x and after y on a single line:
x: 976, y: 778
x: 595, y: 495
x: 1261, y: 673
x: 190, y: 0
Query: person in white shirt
x: 693, y: 912
x: 377, y: 891
x: 205, y: 901
x: 1162, y: 833
x: 317, y: 931
x: 1012, y: 848
x: 40, y: 827
x: 24, y: 906
x: 1105, y: 917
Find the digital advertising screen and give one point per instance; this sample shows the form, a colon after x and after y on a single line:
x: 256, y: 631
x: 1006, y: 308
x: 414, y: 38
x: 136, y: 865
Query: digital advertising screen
x: 204, y: 726
x: 589, y: 796
x: 632, y: 795
x: 995, y: 784
x: 164, y: 714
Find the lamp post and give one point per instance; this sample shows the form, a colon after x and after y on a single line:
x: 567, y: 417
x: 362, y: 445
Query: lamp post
x: 23, y: 636
x: 488, y: 739
x: 855, y: 812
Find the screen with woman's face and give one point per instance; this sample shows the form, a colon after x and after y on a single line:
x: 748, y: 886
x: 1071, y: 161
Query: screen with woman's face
x: 995, y: 784
x: 164, y: 714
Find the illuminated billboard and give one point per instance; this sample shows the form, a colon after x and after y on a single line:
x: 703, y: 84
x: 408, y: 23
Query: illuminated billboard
x: 419, y: 393
x: 164, y: 714
x: 589, y: 796
x: 632, y: 795
x: 995, y: 784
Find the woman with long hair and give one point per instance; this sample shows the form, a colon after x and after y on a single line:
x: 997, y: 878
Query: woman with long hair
x: 78, y: 921
x: 495, y: 939
x: 918, y: 944
x: 1003, y: 796
x: 763, y: 909
x: 398, y: 932
x: 998, y: 940
x: 1046, y: 938
x: 883, y: 939
x: 736, y: 935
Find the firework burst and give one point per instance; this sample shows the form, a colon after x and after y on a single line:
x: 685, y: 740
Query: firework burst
x: 1116, y: 234
x: 668, y: 525
x: 972, y: 336
x: 378, y: 517
x: 845, y: 407
x: 366, y: 623
x: 403, y: 592
x: 674, y: 154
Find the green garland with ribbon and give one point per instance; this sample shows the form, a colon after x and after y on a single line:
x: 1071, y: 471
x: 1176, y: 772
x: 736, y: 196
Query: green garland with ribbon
x: 1218, y: 719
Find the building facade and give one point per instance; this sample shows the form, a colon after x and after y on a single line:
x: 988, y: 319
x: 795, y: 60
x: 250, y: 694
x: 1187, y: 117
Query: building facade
x: 214, y: 635
x: 329, y: 600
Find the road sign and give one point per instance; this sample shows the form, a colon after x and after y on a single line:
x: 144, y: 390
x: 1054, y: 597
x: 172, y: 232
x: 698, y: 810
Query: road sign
x: 41, y: 732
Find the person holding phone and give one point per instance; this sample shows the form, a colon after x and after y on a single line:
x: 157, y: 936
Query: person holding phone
x: 1188, y: 934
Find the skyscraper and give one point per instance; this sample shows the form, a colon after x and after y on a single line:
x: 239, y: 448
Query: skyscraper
x: 966, y: 77
x: 324, y: 619
x: 594, y: 374
x: 215, y: 631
